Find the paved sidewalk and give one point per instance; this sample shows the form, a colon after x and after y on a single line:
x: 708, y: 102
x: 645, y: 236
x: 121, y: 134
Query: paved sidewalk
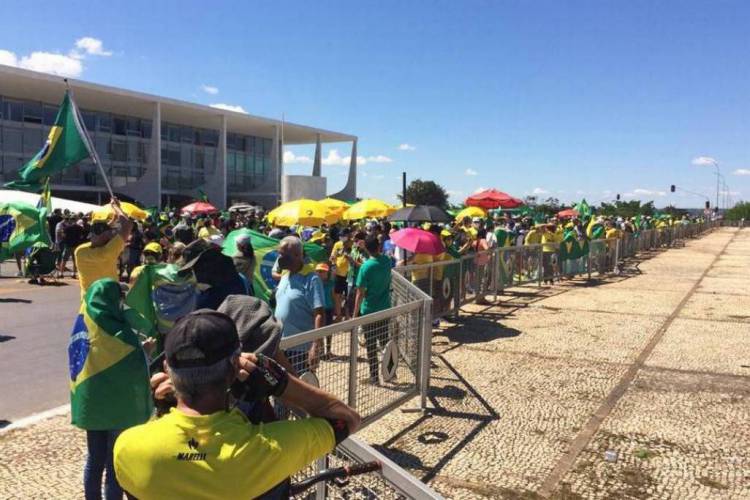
x: 529, y: 394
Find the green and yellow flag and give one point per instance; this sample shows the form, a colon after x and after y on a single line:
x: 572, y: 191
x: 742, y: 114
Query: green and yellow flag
x: 21, y: 225
x: 265, y: 257
x: 66, y: 145
x: 160, y: 296
x: 109, y: 377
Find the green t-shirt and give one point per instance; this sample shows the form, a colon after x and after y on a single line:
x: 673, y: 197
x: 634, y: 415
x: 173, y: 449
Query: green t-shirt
x: 375, y: 277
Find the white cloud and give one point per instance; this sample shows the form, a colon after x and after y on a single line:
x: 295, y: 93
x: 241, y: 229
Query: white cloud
x: 229, y: 107
x: 335, y: 159
x: 8, y: 58
x: 480, y: 189
x: 56, y: 63
x: 539, y: 190
x: 406, y: 147
x: 739, y: 171
x: 580, y: 191
x: 290, y: 158
x: 649, y: 192
x: 704, y: 161
x: 210, y: 89
x: 471, y: 171
x: 92, y: 46
x: 454, y: 193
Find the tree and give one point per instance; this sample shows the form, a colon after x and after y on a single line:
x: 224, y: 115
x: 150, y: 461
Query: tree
x: 740, y: 211
x: 626, y: 208
x: 421, y: 192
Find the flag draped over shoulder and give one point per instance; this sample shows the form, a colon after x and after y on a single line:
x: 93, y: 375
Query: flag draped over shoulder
x: 21, y: 226
x: 265, y: 257
x: 66, y: 145
x: 160, y: 296
x: 109, y: 377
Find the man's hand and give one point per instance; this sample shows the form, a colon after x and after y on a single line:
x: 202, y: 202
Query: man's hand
x: 162, y: 386
x: 248, y: 363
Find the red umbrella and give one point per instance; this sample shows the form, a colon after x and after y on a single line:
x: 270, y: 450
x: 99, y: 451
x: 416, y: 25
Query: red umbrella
x: 417, y: 240
x: 199, y: 208
x: 568, y: 212
x: 492, y: 198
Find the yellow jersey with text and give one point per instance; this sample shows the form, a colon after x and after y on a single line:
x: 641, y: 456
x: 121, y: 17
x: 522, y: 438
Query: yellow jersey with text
x: 215, y: 456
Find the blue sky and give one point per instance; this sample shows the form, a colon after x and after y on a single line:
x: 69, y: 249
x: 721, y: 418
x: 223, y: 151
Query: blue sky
x: 564, y: 99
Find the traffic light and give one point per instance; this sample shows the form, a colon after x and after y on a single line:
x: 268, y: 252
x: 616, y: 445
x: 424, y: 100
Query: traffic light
x: 618, y: 196
x: 672, y: 188
x: 708, y: 204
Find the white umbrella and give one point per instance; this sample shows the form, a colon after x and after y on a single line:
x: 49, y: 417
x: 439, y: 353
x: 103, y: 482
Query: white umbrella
x: 10, y: 195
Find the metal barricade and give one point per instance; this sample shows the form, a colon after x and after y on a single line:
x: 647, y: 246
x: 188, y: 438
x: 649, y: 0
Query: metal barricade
x: 391, y: 482
x: 376, y: 362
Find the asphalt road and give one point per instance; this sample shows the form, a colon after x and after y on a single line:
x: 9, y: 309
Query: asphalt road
x: 35, y: 324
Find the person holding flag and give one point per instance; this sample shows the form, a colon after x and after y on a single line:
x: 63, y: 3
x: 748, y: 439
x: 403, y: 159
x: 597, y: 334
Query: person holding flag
x: 98, y: 258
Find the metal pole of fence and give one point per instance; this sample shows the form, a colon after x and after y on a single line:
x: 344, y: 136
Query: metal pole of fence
x: 320, y: 489
x: 588, y: 265
x: 539, y: 267
x: 353, y: 348
x: 459, y: 292
x: 425, y: 350
x: 617, y: 253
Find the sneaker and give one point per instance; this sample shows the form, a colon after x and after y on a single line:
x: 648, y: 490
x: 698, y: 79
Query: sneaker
x: 19, y: 274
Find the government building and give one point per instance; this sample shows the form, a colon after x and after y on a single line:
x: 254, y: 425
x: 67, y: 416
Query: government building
x: 160, y: 151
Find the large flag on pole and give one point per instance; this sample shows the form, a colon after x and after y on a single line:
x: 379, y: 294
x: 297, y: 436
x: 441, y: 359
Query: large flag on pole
x: 66, y: 145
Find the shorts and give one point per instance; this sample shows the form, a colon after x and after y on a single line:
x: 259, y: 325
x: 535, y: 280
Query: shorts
x: 340, y: 285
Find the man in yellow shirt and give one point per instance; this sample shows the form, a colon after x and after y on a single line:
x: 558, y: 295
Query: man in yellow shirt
x: 340, y: 257
x: 97, y: 259
x: 208, y: 230
x: 203, y: 449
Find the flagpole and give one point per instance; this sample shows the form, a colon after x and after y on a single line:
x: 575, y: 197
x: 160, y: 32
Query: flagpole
x: 89, y: 144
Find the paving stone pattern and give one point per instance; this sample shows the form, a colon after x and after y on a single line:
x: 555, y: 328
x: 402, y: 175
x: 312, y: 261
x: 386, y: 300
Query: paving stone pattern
x: 515, y: 385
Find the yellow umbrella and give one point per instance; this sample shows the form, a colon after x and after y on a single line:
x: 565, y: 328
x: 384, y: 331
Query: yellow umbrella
x: 334, y: 206
x: 300, y: 212
x: 471, y: 212
x: 105, y: 212
x: 368, y: 208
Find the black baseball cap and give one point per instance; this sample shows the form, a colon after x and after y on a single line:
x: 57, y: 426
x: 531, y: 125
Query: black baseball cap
x: 194, y: 251
x: 201, y: 338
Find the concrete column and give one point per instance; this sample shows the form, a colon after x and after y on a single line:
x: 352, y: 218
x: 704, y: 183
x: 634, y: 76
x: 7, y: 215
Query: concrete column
x: 216, y: 183
x: 316, y: 163
x: 147, y: 190
x: 350, y: 189
x: 277, y: 162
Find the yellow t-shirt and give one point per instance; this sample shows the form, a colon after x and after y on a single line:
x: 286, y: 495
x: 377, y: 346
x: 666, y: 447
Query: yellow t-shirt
x: 206, y: 232
x: 96, y: 263
x: 550, y: 240
x: 342, y: 263
x: 533, y: 237
x: 215, y: 456
x: 421, y: 258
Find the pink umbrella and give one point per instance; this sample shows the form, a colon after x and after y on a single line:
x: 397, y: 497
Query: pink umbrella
x: 418, y: 241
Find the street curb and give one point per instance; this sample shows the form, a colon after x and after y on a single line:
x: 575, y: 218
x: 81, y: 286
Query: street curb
x: 36, y: 418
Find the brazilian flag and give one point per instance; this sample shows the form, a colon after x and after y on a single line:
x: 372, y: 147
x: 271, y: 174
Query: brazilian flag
x: 21, y: 225
x: 109, y: 377
x: 265, y: 257
x: 66, y: 145
x: 158, y: 298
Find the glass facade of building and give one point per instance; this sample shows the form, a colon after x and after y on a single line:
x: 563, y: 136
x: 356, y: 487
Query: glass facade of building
x: 188, y: 154
x: 122, y: 142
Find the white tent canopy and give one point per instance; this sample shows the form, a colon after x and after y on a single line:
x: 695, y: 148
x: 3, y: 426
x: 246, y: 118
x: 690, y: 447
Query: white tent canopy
x: 9, y: 195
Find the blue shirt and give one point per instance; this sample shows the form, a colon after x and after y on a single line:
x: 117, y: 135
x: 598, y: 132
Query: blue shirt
x: 297, y: 297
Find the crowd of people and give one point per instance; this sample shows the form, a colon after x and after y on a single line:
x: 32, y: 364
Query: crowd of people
x: 211, y: 362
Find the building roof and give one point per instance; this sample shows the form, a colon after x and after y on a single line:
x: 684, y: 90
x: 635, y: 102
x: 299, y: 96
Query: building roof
x: 25, y: 84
